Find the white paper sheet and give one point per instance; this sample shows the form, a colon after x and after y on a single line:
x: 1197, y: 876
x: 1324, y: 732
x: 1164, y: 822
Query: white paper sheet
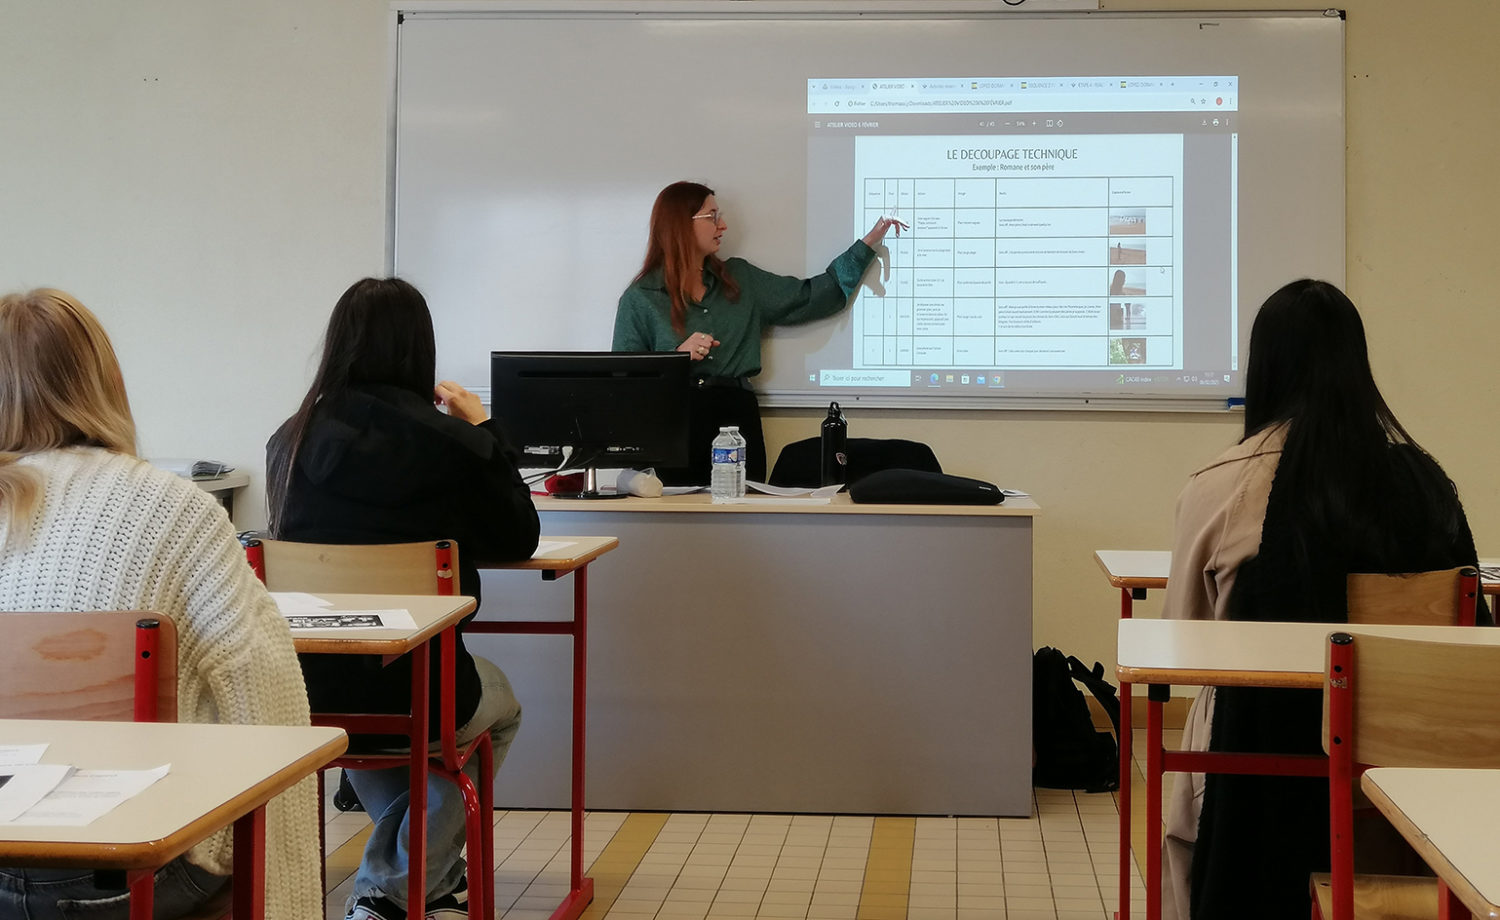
x: 87, y: 795
x: 12, y: 755
x: 350, y: 621
x: 549, y: 547
x: 776, y: 500
x: 791, y: 491
x: 24, y: 785
x: 682, y: 490
x: 291, y: 602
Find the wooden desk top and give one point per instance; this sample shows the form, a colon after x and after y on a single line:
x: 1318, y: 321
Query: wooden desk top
x: 219, y: 773
x: 702, y: 502
x: 1449, y: 817
x: 1148, y: 568
x: 579, y: 552
x: 1222, y: 653
x: 1135, y: 568
x: 432, y: 613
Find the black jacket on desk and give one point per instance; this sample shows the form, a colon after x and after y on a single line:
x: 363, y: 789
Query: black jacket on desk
x: 384, y: 465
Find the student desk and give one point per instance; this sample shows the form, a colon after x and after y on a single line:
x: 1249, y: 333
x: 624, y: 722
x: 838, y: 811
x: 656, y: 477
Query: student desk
x: 773, y: 657
x: 1136, y: 571
x: 220, y: 775
x: 1222, y: 653
x: 572, y: 558
x: 1449, y: 818
x: 435, y: 617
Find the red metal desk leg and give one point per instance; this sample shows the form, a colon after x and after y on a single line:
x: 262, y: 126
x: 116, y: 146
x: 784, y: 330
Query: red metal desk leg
x: 1155, y: 697
x: 1123, y: 912
x: 416, y: 844
x: 142, y: 884
x: 250, y: 865
x: 1449, y: 906
x: 580, y: 889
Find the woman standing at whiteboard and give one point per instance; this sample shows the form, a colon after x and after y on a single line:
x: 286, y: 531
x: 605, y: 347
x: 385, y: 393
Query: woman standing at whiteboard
x: 686, y: 298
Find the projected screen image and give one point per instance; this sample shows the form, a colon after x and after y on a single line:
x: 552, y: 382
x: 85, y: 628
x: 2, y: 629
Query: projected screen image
x: 1066, y: 234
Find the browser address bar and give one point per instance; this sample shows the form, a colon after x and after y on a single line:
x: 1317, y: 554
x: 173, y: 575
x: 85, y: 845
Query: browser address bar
x: 1023, y: 102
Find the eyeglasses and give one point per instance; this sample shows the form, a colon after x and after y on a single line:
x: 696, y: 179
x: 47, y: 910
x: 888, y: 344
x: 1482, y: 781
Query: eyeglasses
x: 716, y: 215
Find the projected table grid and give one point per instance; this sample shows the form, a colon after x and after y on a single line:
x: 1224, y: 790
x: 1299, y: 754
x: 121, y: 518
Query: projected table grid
x: 1022, y: 272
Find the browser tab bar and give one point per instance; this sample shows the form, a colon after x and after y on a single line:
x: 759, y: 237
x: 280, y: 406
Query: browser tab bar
x: 926, y: 95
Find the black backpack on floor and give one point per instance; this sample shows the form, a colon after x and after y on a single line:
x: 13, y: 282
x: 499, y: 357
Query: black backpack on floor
x: 1070, y: 753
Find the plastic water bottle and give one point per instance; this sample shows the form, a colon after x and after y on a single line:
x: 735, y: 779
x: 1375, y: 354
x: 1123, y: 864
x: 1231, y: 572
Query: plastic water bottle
x: 727, y: 480
x: 744, y: 446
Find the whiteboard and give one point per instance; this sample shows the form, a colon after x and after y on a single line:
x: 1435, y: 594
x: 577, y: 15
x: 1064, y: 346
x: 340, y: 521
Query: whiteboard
x: 528, y: 146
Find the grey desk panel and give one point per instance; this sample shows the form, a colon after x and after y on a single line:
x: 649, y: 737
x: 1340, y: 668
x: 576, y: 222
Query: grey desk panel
x: 783, y: 663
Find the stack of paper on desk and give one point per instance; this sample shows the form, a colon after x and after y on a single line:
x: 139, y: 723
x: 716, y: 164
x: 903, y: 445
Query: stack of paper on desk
x: 34, y: 793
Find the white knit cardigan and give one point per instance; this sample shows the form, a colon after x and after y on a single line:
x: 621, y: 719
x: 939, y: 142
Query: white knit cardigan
x: 111, y: 532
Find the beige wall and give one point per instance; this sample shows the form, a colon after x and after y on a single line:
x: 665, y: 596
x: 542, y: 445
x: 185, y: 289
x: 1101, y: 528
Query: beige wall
x: 209, y: 176
x: 1423, y: 266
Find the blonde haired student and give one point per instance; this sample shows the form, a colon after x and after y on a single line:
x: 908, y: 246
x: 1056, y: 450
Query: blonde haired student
x: 86, y: 525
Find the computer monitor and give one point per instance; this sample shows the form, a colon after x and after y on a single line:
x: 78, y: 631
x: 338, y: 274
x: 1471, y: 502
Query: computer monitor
x: 612, y: 409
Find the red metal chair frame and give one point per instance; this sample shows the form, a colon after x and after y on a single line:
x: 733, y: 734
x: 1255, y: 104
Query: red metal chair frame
x: 479, y: 804
x: 1343, y: 776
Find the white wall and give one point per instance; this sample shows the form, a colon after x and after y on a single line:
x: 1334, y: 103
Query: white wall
x: 209, y: 176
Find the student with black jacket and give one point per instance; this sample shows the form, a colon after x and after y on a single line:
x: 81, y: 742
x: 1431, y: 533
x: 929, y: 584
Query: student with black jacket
x: 369, y: 457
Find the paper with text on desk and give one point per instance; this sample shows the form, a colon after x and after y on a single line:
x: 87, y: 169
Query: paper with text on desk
x: 24, y: 785
x: 352, y: 620
x: 308, y: 611
x: 89, y: 794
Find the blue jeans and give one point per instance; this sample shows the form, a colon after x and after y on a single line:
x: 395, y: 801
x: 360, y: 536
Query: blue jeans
x: 385, y: 795
x: 70, y: 894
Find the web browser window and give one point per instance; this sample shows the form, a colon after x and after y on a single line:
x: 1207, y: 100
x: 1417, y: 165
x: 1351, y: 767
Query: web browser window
x: 1064, y: 233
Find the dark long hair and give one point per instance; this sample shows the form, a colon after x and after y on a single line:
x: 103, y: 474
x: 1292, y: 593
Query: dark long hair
x: 380, y: 333
x: 669, y: 247
x: 1352, y: 486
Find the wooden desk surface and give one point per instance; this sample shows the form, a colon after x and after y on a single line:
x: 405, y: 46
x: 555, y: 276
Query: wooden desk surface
x: 432, y: 613
x: 1149, y: 568
x: 1226, y: 653
x: 1135, y: 568
x: 579, y: 552
x: 219, y: 773
x: 702, y: 502
x: 1449, y: 817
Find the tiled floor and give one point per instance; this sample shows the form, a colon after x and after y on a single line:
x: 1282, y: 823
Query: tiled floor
x: 1059, y: 864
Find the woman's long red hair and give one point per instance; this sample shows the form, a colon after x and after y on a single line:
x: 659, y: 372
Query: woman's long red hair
x: 670, y: 248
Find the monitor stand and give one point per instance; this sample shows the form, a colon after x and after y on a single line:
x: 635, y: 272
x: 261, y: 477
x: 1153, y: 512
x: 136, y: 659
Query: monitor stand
x: 590, y: 488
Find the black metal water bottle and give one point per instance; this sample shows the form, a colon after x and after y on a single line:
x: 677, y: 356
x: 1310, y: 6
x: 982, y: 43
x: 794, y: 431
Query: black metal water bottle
x: 835, y: 443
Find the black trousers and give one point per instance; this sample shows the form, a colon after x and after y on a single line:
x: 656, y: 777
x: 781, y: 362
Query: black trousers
x: 709, y: 409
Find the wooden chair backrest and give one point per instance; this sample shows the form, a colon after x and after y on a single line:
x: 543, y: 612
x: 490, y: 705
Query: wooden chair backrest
x: 81, y: 665
x: 1423, y: 704
x: 1439, y: 598
x: 427, y: 567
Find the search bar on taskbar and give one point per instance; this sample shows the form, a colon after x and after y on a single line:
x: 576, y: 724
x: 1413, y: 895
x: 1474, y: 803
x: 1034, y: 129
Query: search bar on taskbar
x: 864, y: 378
